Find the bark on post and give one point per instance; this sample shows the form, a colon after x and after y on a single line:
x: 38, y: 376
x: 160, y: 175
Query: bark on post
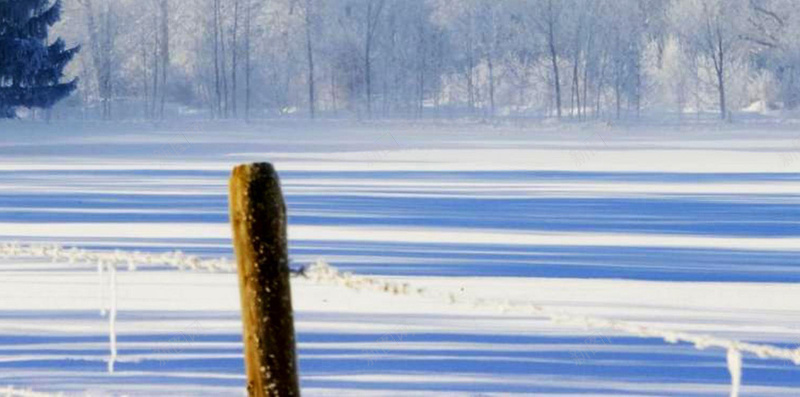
x: 258, y: 218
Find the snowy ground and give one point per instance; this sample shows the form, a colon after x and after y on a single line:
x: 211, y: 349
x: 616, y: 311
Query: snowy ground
x: 685, y: 227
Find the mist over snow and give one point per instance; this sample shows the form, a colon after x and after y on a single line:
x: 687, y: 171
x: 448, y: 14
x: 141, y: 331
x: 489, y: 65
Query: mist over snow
x: 540, y: 197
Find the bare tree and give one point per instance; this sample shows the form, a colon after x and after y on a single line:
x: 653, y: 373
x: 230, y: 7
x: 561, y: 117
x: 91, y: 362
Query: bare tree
x: 308, y: 18
x: 713, y: 28
x: 234, y: 56
x: 373, y: 17
x: 547, y: 20
x: 248, y: 71
x: 223, y: 60
x: 101, y: 38
x: 490, y: 41
x: 217, y: 81
x: 164, y: 52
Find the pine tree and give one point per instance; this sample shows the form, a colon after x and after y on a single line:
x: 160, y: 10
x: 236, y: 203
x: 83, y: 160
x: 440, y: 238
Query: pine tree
x: 31, y: 69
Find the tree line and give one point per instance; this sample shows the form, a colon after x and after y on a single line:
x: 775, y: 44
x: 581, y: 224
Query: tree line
x: 582, y: 59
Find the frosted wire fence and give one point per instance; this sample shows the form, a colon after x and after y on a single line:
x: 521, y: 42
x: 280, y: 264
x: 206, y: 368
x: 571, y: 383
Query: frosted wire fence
x: 322, y: 273
x: 12, y: 392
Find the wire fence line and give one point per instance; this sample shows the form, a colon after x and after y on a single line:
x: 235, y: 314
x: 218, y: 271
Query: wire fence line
x: 130, y: 259
x: 10, y: 391
x: 322, y: 273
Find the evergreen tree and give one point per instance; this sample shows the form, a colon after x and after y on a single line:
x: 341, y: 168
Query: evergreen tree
x: 30, y: 68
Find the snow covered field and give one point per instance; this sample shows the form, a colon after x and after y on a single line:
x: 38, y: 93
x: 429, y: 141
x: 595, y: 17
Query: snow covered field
x: 691, y: 227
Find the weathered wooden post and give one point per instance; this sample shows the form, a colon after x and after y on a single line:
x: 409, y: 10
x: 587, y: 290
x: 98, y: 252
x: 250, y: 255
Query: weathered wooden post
x: 258, y: 217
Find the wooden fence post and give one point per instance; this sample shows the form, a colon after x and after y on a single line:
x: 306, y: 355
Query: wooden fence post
x: 258, y: 218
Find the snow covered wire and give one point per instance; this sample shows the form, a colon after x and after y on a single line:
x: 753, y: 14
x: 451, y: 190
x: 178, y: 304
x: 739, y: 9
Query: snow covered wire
x: 321, y: 272
x: 130, y: 259
x: 112, y: 318
x: 10, y: 391
x: 735, y: 368
x: 109, y: 308
x: 101, y: 289
x: 120, y: 258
